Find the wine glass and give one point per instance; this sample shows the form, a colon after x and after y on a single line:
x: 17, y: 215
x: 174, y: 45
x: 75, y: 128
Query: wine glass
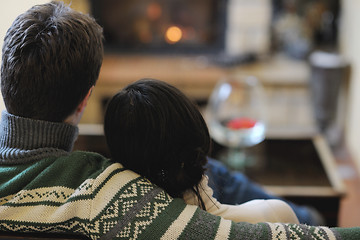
x: 236, y: 116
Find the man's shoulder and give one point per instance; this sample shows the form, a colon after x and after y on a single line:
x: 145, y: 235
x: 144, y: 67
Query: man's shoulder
x: 88, y: 155
x: 83, y: 159
x: 73, y: 169
x: 86, y: 162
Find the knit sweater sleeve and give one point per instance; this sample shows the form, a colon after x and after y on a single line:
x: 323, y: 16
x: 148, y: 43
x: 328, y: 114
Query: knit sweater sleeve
x: 254, y: 211
x: 155, y: 215
x: 143, y: 211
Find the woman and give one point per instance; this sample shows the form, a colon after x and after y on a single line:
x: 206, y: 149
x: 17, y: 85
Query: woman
x: 155, y: 130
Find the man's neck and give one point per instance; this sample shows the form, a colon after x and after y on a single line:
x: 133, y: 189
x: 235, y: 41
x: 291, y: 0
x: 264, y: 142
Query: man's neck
x: 25, y: 139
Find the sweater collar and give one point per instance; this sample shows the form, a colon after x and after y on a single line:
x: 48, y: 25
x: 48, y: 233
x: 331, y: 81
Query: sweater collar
x: 24, y: 134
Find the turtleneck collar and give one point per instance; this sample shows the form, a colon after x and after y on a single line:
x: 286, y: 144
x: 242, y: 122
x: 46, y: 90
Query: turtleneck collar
x: 26, y: 140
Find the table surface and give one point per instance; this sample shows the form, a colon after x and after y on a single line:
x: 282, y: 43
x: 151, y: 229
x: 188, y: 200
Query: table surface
x: 293, y: 167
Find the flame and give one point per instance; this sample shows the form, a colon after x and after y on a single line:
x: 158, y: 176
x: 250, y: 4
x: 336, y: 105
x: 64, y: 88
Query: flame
x: 173, y: 34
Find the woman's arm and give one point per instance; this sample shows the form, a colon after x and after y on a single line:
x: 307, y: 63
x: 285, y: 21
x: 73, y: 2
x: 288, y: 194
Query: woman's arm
x: 253, y: 211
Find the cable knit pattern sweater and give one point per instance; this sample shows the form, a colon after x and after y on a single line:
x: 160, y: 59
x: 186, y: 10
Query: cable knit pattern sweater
x: 44, y: 187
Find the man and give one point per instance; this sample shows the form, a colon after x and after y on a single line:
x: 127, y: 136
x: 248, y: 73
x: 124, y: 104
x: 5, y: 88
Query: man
x: 51, y: 60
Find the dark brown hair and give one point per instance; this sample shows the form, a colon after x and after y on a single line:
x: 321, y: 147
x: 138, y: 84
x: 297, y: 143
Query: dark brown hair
x: 155, y: 130
x: 50, y: 59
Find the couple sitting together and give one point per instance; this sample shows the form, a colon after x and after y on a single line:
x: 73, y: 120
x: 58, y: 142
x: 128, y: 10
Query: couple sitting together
x: 158, y: 182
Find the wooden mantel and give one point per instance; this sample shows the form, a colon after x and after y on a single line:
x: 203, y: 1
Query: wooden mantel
x: 184, y: 72
x: 195, y: 75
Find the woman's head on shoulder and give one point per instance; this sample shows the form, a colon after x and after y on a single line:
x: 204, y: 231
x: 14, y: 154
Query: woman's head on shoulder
x: 152, y: 128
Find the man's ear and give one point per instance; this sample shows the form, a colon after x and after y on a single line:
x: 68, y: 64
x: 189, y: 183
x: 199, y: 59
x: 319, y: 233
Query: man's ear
x: 83, y: 103
x: 75, y: 117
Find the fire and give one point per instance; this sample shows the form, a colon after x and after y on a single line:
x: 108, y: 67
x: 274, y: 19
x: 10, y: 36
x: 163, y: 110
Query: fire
x: 173, y: 34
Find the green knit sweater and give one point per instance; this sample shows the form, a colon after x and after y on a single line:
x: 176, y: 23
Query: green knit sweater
x: 44, y: 187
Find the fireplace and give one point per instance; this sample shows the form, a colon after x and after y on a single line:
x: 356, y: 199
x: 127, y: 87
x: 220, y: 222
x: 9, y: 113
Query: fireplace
x: 220, y: 27
x: 162, y: 26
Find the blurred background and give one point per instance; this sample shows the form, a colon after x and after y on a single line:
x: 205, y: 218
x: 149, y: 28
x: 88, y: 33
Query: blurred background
x: 305, y: 53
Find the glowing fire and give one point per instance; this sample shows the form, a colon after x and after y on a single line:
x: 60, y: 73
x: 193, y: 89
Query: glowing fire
x: 173, y: 34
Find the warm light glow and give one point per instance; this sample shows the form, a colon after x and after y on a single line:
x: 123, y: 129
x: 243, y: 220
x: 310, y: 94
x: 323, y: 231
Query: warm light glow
x: 173, y: 34
x: 154, y: 11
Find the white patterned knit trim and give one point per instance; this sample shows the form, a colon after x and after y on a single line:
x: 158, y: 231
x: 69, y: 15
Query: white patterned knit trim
x: 108, y: 191
x: 280, y: 231
x: 57, y: 209
x: 224, y: 229
x: 178, y: 226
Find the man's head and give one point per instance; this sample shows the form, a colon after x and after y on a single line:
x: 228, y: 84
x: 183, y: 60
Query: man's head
x: 51, y: 58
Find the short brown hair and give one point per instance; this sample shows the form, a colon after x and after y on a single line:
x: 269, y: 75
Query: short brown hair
x: 50, y: 59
